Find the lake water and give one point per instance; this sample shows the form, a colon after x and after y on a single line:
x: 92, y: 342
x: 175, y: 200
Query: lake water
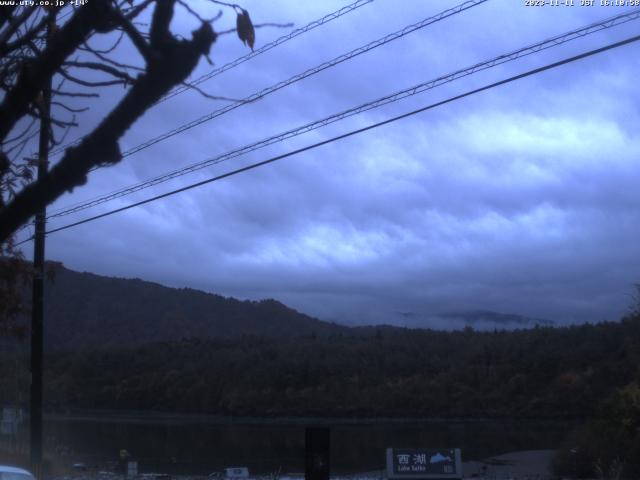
x: 190, y: 445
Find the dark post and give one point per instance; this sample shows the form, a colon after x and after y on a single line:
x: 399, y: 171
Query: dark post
x: 317, y: 453
x: 35, y: 413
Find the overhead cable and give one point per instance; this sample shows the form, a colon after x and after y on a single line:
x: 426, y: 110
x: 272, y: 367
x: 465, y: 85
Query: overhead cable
x: 244, y: 58
x: 528, y: 73
x: 303, y: 75
x: 399, y: 95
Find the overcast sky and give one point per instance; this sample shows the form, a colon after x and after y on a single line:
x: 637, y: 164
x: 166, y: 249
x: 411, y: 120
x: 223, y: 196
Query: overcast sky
x: 523, y: 199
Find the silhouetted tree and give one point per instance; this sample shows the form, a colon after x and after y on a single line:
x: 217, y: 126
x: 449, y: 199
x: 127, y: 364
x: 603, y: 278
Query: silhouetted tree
x: 56, y: 45
x: 29, y: 62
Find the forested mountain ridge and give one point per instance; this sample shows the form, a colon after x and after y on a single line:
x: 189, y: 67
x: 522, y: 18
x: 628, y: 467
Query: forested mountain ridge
x: 386, y: 372
x: 212, y: 354
x: 85, y: 311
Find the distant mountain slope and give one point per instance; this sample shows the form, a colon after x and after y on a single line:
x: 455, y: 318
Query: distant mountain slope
x: 83, y: 310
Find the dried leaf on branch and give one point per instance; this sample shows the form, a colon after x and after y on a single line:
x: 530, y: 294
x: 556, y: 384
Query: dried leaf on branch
x: 245, y: 29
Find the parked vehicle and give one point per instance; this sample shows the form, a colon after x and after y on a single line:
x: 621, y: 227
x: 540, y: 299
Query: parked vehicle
x: 14, y: 473
x: 236, y: 473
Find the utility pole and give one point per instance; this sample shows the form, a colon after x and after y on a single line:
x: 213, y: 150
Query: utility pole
x: 317, y: 453
x: 35, y: 407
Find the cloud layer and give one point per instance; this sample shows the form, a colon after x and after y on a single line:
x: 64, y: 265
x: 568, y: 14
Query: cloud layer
x: 522, y: 199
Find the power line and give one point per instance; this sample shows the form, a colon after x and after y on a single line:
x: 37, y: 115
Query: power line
x: 414, y: 90
x: 268, y: 46
x: 355, y: 132
x: 307, y: 73
x: 240, y: 60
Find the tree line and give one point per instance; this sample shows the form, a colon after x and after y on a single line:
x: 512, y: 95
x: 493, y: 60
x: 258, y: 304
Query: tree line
x: 374, y: 371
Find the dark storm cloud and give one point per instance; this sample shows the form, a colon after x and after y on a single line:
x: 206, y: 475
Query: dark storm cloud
x: 519, y: 200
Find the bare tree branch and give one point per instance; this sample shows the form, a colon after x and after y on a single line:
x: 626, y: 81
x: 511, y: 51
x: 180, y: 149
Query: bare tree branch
x: 137, y: 10
x: 6, y: 14
x: 86, y: 45
x: 69, y: 109
x: 36, y: 72
x: 186, y: 6
x: 258, y: 25
x: 208, y: 95
x: 173, y: 61
x: 100, y: 55
x: 89, y: 83
x: 160, y: 34
x: 75, y: 94
x: 29, y: 63
x: 134, y: 35
x: 14, y: 25
x: 103, y: 68
x: 235, y: 6
x: 20, y: 135
x: 6, y: 47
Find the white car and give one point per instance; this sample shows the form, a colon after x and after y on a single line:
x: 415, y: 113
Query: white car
x: 14, y: 473
x: 232, y: 473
